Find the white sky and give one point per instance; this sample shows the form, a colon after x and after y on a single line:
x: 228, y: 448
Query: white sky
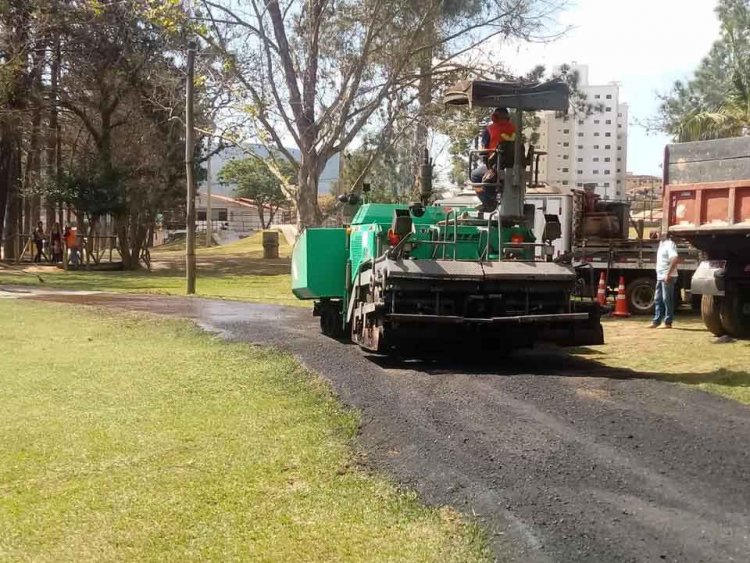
x: 645, y: 45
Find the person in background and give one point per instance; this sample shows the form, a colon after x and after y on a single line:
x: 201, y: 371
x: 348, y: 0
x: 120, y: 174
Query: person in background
x: 39, y: 241
x: 667, y: 260
x: 71, y: 242
x: 500, y: 130
x: 55, y: 239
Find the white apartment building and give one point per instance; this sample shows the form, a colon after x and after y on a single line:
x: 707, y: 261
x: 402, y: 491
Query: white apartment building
x: 585, y: 149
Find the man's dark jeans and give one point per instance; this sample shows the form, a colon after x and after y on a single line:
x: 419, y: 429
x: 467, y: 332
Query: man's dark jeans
x: 664, y: 302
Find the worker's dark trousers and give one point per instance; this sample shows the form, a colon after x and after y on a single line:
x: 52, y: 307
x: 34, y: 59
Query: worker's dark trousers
x: 486, y: 194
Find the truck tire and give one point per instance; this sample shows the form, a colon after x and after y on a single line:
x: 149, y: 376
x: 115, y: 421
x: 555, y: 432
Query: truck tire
x: 640, y: 296
x: 710, y: 312
x: 735, y: 313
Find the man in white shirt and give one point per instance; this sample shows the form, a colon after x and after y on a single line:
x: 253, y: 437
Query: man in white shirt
x: 667, y: 260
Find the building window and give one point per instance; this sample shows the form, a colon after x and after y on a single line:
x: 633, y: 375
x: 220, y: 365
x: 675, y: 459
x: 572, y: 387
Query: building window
x: 596, y: 159
x: 566, y: 144
x: 580, y: 159
x: 619, y: 159
x: 606, y: 184
x: 200, y: 215
x: 608, y: 122
x: 619, y: 148
x: 580, y: 122
x: 608, y: 108
x: 597, y: 96
x: 580, y: 134
x: 596, y: 146
x: 597, y: 134
x: 619, y: 125
x: 607, y: 159
x: 565, y: 157
x: 607, y: 146
x: 565, y: 170
x: 596, y: 122
x: 619, y: 115
x: 579, y: 184
x: 608, y: 134
x: 609, y: 96
x: 619, y: 170
x: 579, y: 171
x: 596, y: 172
x: 566, y: 131
x: 565, y: 182
x: 606, y: 171
x: 619, y: 181
x: 580, y: 146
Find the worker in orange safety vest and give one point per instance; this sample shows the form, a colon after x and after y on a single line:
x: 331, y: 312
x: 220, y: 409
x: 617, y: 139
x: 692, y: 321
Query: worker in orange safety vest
x: 500, y: 130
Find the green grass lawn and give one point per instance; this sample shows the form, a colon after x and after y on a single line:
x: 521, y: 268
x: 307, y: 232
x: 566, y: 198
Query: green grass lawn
x: 233, y: 271
x: 686, y: 353
x: 125, y: 437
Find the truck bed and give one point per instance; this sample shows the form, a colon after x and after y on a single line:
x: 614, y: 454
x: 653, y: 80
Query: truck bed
x: 702, y: 192
x: 631, y: 254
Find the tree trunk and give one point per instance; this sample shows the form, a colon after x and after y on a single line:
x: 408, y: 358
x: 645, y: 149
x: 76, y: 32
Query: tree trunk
x: 33, y: 166
x: 16, y: 24
x: 122, y: 241
x: 91, y: 233
x: 10, y: 180
x: 261, y: 216
x: 272, y: 214
x: 308, y: 212
x: 54, y: 155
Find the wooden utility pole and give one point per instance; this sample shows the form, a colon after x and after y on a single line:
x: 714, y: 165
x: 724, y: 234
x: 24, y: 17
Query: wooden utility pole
x: 209, y: 210
x: 189, y: 163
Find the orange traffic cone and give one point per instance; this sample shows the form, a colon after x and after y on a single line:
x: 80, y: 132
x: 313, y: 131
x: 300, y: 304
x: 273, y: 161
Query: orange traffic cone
x: 601, y: 293
x: 621, y: 303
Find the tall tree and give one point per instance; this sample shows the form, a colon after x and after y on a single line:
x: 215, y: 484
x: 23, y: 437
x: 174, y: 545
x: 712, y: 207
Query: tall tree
x: 15, y: 23
x: 118, y: 92
x: 715, y: 102
x: 314, y: 74
x: 251, y: 178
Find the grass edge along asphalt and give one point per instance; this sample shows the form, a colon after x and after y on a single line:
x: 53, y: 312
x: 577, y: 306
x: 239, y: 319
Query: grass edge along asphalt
x: 134, y: 437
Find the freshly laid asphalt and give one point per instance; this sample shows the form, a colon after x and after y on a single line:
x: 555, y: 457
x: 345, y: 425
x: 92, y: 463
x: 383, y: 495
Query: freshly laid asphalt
x: 559, y: 459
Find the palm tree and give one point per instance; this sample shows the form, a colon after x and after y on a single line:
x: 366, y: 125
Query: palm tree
x: 731, y: 118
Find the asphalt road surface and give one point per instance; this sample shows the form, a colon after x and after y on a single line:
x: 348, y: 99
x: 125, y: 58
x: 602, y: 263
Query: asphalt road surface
x: 560, y: 459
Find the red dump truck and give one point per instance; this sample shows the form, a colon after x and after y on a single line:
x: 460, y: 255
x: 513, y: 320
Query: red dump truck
x: 707, y: 203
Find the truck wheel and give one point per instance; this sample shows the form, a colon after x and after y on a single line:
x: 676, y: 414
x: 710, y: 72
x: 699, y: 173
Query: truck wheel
x: 735, y: 313
x: 710, y: 312
x: 640, y: 296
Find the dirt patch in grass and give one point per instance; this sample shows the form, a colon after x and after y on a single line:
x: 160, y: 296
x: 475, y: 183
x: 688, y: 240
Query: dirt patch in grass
x: 687, y: 353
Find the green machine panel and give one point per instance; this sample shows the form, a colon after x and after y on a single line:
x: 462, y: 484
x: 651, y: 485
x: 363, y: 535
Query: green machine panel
x: 319, y: 264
